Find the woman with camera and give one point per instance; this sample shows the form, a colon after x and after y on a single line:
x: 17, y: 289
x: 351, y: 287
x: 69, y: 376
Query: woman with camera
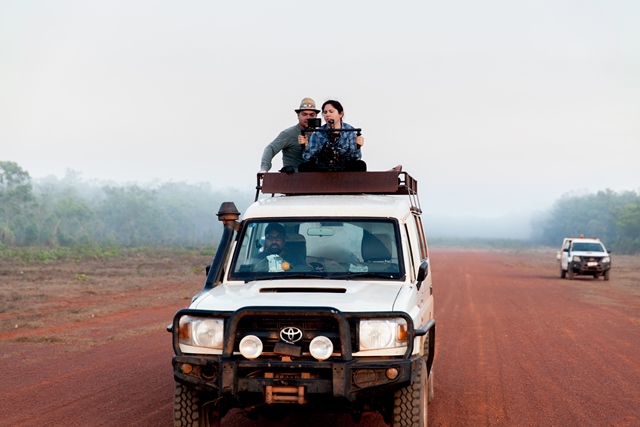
x: 332, y: 150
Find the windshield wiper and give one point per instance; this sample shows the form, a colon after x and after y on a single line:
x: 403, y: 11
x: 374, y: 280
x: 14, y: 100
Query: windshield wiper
x: 364, y: 275
x: 305, y: 275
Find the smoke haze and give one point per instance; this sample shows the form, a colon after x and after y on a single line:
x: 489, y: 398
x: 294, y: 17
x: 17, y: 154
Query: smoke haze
x: 496, y: 108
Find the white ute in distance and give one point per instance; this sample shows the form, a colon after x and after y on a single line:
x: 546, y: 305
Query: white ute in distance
x: 584, y: 256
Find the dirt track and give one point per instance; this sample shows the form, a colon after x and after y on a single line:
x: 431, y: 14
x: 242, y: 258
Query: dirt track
x: 516, y: 346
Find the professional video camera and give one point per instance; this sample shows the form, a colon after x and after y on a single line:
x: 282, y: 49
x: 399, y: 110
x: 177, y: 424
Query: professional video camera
x: 328, y: 158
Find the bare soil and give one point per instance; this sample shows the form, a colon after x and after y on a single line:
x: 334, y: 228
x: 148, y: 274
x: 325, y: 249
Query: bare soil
x: 85, y: 343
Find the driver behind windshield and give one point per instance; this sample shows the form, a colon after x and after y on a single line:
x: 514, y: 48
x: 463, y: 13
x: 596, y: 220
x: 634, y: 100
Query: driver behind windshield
x: 276, y: 256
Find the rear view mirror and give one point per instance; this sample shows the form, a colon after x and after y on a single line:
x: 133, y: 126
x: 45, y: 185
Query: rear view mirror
x: 320, y: 232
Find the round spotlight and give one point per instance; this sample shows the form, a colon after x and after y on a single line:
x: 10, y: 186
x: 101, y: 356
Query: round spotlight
x: 251, y: 347
x: 321, y: 347
x: 365, y: 378
x: 208, y: 373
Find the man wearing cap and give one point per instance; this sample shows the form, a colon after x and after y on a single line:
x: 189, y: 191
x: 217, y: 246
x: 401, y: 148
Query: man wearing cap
x: 287, y: 140
x: 276, y: 256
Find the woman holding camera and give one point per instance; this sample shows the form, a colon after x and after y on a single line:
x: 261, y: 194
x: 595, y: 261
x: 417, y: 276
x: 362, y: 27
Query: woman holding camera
x: 327, y: 150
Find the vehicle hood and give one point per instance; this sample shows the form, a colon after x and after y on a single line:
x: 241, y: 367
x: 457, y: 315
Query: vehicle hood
x: 347, y: 296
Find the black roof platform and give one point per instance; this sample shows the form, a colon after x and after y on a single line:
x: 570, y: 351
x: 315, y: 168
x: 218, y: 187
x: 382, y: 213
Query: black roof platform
x: 306, y: 183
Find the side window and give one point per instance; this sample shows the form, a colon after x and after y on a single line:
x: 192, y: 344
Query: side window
x: 409, y: 250
x: 251, y: 245
x: 424, y: 251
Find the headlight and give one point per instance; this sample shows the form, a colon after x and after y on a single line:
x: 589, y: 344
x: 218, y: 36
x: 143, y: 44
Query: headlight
x: 606, y: 259
x: 202, y: 332
x: 576, y: 259
x: 376, y: 334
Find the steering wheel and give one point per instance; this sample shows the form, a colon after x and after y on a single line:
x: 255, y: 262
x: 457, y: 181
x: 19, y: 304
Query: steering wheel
x: 317, y: 266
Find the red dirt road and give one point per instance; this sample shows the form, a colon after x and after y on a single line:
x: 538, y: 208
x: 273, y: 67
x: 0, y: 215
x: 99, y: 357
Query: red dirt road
x: 516, y: 346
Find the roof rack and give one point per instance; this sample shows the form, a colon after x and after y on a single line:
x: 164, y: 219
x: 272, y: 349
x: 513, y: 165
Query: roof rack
x: 306, y: 183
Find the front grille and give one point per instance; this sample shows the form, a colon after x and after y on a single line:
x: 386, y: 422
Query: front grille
x: 591, y: 264
x: 267, y: 328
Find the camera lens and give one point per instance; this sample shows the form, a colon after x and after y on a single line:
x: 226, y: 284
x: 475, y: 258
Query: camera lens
x: 313, y: 123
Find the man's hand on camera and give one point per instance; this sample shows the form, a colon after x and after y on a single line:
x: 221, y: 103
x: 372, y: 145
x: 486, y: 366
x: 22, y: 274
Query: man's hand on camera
x: 303, y: 140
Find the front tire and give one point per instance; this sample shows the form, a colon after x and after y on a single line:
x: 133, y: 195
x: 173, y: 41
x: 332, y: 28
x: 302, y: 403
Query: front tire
x: 410, y: 403
x: 570, y: 273
x: 189, y: 411
x: 606, y: 275
x: 563, y: 272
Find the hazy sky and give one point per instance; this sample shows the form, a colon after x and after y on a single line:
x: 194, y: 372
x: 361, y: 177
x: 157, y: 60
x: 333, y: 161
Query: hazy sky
x: 496, y: 107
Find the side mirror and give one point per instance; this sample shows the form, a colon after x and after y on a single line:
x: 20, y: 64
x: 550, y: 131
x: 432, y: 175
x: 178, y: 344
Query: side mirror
x: 206, y: 269
x: 423, y: 272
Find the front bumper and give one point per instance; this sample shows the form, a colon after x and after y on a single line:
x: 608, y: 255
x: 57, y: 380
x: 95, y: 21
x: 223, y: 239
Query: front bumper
x: 589, y: 267
x: 344, y: 377
x: 351, y: 380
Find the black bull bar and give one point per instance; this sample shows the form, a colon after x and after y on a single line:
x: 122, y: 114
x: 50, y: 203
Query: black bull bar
x: 228, y: 382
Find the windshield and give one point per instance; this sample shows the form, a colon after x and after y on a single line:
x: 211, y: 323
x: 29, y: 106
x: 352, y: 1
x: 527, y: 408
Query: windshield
x: 588, y: 247
x: 338, y: 249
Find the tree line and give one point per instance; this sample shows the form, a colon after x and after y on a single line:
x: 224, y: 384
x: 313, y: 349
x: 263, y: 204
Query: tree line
x: 612, y: 217
x: 70, y: 212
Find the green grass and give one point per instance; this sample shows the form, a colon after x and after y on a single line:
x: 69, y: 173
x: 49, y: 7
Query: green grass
x: 80, y: 253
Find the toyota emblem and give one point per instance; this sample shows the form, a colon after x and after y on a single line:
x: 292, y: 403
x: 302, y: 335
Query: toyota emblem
x: 291, y: 334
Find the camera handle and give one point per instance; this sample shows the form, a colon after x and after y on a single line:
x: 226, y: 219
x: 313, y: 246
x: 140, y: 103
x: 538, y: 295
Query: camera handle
x: 317, y: 129
x: 310, y: 129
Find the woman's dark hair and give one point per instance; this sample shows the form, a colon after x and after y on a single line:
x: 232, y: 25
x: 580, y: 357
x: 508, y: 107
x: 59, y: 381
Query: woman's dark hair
x: 335, y: 105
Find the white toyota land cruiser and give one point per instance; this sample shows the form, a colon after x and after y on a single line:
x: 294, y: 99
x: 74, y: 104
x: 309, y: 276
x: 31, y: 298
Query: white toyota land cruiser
x: 319, y: 299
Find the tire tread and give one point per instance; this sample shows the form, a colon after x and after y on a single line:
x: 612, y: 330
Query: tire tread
x: 407, y: 402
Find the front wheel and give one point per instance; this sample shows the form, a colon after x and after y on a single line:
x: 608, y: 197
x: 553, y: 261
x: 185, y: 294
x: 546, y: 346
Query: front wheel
x: 563, y: 272
x: 606, y: 275
x: 570, y: 273
x: 189, y: 411
x: 410, y: 403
